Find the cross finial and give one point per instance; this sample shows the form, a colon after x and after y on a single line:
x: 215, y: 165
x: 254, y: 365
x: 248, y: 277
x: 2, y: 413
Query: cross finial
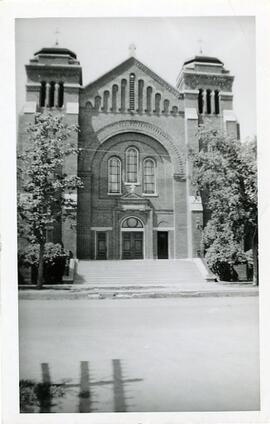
x: 200, y: 41
x: 57, y: 32
x: 132, y: 50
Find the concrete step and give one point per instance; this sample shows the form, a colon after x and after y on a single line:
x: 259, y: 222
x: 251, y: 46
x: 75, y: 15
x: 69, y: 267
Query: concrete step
x: 136, y: 272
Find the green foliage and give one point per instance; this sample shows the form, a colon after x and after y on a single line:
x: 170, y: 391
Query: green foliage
x: 44, y: 187
x: 33, y: 395
x: 46, y: 193
x: 29, y: 255
x: 224, y: 173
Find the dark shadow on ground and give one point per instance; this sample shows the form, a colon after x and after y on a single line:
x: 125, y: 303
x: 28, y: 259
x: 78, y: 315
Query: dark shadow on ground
x: 43, y: 396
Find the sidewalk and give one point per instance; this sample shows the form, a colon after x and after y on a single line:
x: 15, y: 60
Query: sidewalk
x: 166, y: 290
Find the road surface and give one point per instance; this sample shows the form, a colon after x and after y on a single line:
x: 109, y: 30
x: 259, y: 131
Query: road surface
x: 193, y: 354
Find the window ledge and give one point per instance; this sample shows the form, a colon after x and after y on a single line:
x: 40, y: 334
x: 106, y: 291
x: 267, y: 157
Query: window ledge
x: 129, y: 184
x: 150, y: 194
x: 114, y: 194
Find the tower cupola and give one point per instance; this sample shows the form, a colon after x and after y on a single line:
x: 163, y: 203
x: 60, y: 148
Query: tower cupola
x: 54, y: 77
x: 206, y: 85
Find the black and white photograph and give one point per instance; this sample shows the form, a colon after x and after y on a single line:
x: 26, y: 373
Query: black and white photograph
x: 137, y: 216
x: 137, y: 226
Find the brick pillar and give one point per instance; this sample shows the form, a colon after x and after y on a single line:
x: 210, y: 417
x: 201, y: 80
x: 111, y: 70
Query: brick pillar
x: 180, y: 217
x: 84, y: 217
x: 191, y: 128
x: 148, y: 234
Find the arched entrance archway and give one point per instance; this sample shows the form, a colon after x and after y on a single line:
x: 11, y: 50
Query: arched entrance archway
x: 132, y: 238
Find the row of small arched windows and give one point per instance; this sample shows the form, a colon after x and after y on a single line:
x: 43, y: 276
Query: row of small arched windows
x: 131, y: 172
x: 208, y: 101
x: 132, y: 95
x: 51, y: 94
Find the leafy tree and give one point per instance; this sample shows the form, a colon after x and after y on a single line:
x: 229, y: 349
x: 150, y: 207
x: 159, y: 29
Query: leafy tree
x: 225, y: 175
x: 42, y: 183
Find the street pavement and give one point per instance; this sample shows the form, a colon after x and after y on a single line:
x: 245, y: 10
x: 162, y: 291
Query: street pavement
x: 174, y: 354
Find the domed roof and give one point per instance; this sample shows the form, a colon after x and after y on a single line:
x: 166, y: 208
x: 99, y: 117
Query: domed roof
x: 203, y: 59
x: 56, y: 50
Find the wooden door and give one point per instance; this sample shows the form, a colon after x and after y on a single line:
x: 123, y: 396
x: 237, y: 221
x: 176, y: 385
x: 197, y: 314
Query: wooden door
x: 132, y: 245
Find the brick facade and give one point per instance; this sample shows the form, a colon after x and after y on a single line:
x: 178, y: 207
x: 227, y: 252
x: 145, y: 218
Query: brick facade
x: 131, y: 107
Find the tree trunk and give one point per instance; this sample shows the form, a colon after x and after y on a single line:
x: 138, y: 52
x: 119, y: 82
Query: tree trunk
x: 255, y: 258
x: 40, y: 266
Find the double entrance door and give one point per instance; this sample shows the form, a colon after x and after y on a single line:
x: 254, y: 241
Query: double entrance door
x: 132, y: 245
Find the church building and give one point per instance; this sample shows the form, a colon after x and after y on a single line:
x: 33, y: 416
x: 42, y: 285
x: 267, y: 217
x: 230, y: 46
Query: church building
x: 135, y: 133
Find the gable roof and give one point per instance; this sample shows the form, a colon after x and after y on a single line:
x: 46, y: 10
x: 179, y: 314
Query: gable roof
x: 131, y: 61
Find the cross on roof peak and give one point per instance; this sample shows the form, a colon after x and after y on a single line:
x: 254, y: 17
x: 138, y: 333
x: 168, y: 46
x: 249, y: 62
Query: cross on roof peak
x: 132, y: 50
x: 57, y: 32
x: 200, y: 41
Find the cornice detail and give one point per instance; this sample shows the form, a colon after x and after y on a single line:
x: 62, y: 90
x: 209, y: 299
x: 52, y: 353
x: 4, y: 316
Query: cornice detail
x: 194, y: 81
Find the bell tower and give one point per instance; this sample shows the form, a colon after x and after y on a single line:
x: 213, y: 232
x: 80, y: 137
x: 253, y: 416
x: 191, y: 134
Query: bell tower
x: 206, y: 87
x: 54, y: 79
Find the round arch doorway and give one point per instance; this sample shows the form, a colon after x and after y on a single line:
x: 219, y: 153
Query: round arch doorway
x: 132, y: 238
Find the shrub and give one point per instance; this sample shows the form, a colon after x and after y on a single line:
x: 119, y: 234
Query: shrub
x: 55, y: 257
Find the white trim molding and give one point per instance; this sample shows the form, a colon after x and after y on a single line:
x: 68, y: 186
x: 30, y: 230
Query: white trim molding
x: 208, y: 64
x: 191, y: 113
x: 229, y: 115
x: 163, y: 228
x: 195, y: 203
x: 30, y: 107
x: 190, y: 92
x: 132, y: 230
x: 72, y: 108
x: 101, y: 228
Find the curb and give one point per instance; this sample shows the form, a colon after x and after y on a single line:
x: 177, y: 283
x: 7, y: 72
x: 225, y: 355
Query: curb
x: 73, y: 295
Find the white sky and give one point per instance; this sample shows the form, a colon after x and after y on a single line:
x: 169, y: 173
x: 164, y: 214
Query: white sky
x: 163, y: 44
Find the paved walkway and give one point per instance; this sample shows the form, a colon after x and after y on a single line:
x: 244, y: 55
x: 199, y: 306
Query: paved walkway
x: 183, y: 289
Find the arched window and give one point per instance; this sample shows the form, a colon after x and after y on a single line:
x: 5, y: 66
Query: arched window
x: 97, y: 103
x: 216, y: 102
x: 123, y: 95
x: 149, y: 178
x: 157, y: 102
x: 208, y: 100
x: 131, y: 92
x: 106, y: 96
x: 200, y: 101
x: 140, y: 95
x: 61, y: 94
x: 51, y: 101
x: 149, y: 99
x: 114, y: 175
x: 42, y: 94
x: 132, y: 165
x: 114, y: 97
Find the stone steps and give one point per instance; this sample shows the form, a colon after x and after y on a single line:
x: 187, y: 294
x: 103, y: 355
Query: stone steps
x: 135, y: 272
